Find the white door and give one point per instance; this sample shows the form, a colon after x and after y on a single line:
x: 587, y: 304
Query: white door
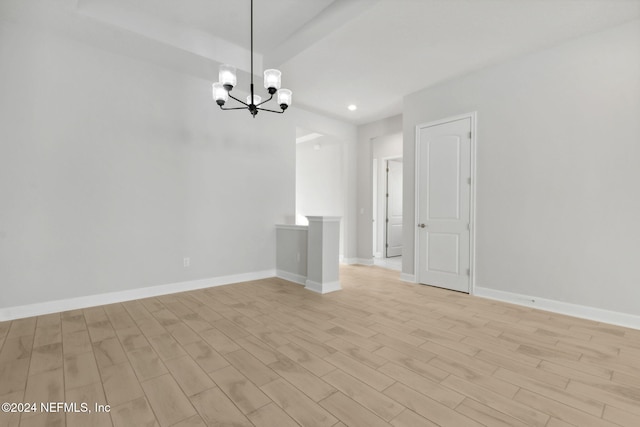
x: 444, y: 200
x: 394, y: 208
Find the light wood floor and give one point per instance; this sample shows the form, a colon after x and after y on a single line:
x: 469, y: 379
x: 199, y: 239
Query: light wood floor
x: 268, y: 353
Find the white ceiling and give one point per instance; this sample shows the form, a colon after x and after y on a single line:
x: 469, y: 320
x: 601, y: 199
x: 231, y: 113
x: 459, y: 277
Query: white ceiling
x: 274, y: 20
x: 332, y: 53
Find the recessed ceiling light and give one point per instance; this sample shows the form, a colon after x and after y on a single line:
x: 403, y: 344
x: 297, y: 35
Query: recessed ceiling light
x: 352, y: 107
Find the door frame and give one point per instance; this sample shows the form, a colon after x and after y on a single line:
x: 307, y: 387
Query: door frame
x: 377, y: 182
x: 472, y: 203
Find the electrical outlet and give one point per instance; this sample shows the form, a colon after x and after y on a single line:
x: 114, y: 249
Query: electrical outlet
x: 186, y: 262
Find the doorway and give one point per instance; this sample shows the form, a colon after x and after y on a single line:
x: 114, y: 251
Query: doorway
x: 393, y: 209
x: 386, y: 152
x: 320, y: 178
x: 445, y: 164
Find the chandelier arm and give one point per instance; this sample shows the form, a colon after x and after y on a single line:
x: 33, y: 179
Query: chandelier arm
x: 234, y: 108
x: 271, y: 111
x: 266, y: 100
x: 241, y: 102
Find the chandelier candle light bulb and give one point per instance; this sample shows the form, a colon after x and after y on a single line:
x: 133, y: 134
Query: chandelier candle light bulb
x: 227, y: 80
x: 272, y: 80
x: 256, y: 100
x: 284, y: 98
x: 220, y: 94
x: 227, y: 76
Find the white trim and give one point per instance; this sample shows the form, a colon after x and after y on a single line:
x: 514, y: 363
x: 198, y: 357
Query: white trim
x: 364, y: 261
x: 308, y: 137
x: 292, y: 227
x: 473, y: 117
x: 575, y: 310
x: 405, y: 277
x: 291, y: 277
x: 38, y: 309
x: 324, y: 218
x: 349, y: 261
x: 322, y: 288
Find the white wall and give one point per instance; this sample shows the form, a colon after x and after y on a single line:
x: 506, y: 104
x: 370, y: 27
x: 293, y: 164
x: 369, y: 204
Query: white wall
x: 366, y: 133
x: 558, y: 200
x: 382, y: 148
x: 113, y: 169
x: 320, y: 181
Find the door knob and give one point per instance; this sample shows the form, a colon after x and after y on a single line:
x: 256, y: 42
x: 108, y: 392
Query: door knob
x: 422, y: 225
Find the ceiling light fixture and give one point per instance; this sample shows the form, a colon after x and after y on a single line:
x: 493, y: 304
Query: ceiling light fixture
x: 352, y: 107
x: 227, y: 80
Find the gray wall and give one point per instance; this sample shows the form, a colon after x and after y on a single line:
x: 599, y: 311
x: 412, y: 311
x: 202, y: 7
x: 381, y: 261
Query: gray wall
x: 113, y: 169
x: 291, y: 252
x: 558, y: 196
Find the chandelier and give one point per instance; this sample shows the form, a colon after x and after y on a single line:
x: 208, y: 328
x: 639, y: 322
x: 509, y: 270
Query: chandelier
x: 227, y: 80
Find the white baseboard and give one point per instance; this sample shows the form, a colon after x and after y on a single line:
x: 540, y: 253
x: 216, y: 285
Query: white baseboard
x: 291, y: 277
x: 359, y: 261
x: 322, y: 288
x: 575, y: 310
x: 38, y: 309
x: 406, y: 277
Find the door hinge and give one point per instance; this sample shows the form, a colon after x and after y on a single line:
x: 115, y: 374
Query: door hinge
x: 468, y: 272
x: 387, y: 169
x: 387, y: 194
x: 469, y: 180
x: 386, y: 246
x: 387, y: 220
x: 469, y: 134
x: 469, y: 226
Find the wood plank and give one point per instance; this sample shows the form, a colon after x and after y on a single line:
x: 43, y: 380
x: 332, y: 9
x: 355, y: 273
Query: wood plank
x: 251, y: 367
x: 168, y: 402
x: 365, y: 395
x: 91, y: 394
x: 515, y: 409
x: 120, y: 384
x: 271, y: 415
x: 298, y: 406
x: 351, y: 412
x: 308, y: 383
x: 79, y: 370
x: 423, y: 385
x: 487, y: 415
x: 108, y: 352
x: 559, y: 410
x: 242, y: 392
x: 205, y: 356
x: 191, y: 378
x: 364, y: 373
x: 134, y: 413
x: 428, y: 408
x: 408, y: 418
